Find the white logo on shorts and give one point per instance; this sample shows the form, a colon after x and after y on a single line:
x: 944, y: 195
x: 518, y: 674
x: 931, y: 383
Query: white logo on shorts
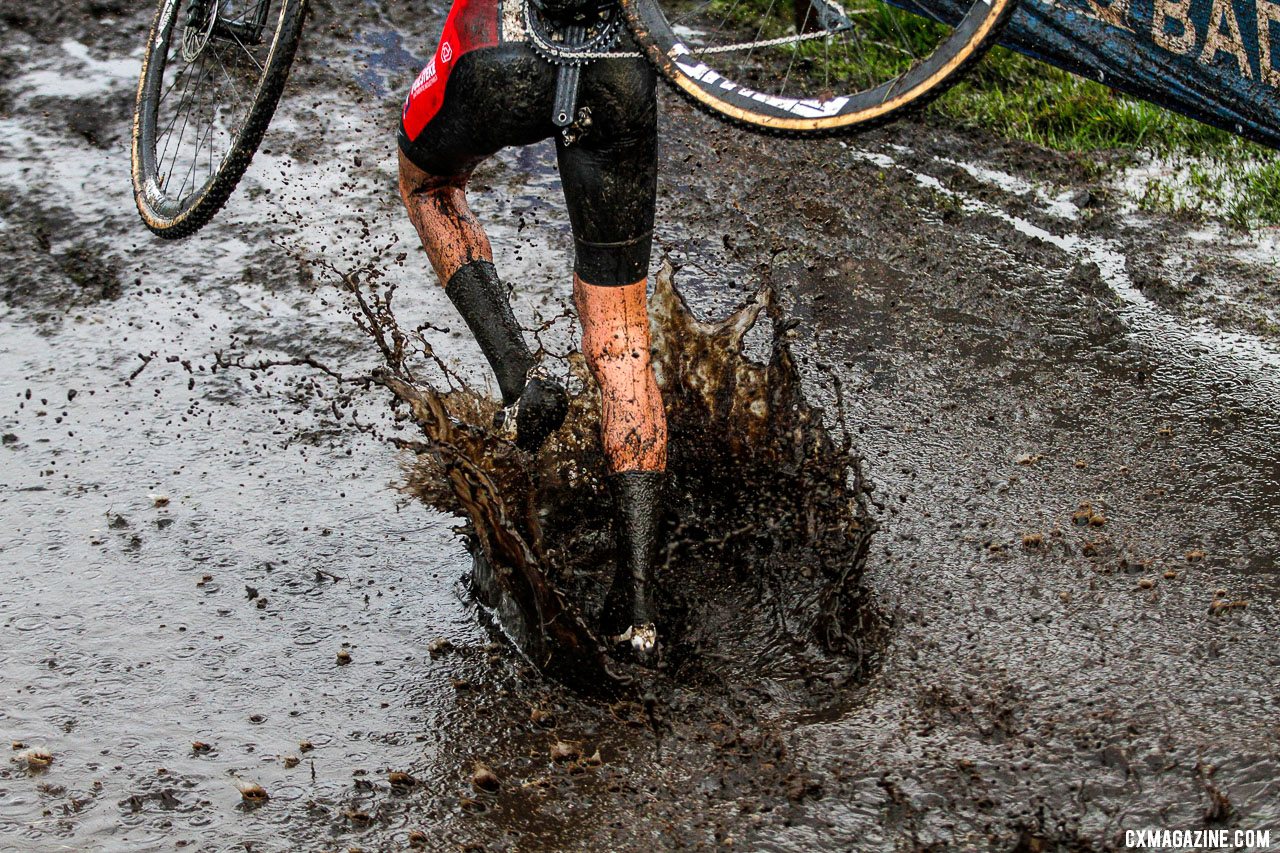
x: 446, y: 52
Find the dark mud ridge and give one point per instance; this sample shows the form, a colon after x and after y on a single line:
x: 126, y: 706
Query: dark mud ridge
x: 766, y: 514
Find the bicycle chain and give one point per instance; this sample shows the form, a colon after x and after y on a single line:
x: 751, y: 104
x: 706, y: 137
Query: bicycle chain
x: 605, y: 35
x: 562, y: 56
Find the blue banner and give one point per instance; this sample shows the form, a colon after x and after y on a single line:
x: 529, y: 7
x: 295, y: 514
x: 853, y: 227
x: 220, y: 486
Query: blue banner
x: 1213, y: 60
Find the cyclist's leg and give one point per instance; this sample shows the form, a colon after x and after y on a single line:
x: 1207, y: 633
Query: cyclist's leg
x: 609, y: 177
x: 493, y: 97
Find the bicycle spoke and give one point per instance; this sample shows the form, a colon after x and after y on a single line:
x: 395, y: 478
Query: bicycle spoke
x: 227, y: 75
x: 247, y: 52
x: 214, y: 73
x: 185, y: 116
x: 755, y: 42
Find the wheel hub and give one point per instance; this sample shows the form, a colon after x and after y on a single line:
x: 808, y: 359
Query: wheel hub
x: 198, y: 30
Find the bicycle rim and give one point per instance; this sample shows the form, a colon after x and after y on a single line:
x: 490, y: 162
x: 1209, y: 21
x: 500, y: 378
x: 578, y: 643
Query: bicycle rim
x: 813, y: 67
x: 211, y: 77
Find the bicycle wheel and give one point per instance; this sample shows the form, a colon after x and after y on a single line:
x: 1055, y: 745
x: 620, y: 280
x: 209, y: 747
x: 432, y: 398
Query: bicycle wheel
x: 212, y: 74
x: 813, y: 67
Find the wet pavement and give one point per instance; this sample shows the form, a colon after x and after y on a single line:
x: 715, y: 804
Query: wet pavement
x: 1071, y: 435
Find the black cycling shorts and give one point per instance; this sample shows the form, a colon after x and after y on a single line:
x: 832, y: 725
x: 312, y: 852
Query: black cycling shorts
x: 486, y: 89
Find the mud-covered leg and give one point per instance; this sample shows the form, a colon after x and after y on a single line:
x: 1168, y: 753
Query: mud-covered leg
x: 460, y: 253
x: 610, y: 179
x: 615, y: 341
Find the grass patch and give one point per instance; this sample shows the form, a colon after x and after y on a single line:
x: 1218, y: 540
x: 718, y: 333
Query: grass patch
x: 1208, y: 172
x: 1193, y: 169
x: 1020, y: 98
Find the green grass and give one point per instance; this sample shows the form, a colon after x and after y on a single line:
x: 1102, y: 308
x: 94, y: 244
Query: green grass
x: 1216, y: 174
x: 1020, y: 98
x: 1205, y: 172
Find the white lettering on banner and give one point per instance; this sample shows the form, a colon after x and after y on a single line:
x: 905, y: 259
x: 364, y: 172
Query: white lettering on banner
x: 1223, y: 36
x: 1268, y: 14
x: 1178, y: 14
x: 1172, y: 30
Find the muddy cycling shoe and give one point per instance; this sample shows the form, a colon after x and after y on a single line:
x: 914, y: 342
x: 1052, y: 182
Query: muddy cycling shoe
x: 630, y: 616
x: 538, y: 412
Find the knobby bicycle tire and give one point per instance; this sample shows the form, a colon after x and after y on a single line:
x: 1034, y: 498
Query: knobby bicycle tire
x: 716, y: 93
x: 175, y: 218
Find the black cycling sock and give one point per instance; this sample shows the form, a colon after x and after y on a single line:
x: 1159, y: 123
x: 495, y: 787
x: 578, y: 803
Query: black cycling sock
x: 477, y: 293
x: 636, y: 496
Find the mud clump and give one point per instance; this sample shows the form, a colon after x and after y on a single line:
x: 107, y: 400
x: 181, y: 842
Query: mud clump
x: 765, y: 513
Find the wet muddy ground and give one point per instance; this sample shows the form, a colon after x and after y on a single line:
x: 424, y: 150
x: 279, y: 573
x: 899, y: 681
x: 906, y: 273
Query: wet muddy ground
x: 1068, y: 412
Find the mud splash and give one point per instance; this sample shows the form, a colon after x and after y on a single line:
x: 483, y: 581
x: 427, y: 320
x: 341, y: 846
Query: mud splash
x: 766, y: 519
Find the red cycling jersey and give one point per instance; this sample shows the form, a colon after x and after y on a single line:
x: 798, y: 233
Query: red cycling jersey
x: 471, y: 25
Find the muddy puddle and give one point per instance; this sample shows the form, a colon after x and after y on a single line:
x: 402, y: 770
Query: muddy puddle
x: 197, y: 555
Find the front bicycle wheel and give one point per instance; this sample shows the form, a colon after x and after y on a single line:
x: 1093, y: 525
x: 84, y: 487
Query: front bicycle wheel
x: 212, y: 73
x: 814, y: 67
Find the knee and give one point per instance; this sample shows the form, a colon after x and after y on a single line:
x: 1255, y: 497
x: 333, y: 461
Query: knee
x: 416, y: 185
x: 623, y: 347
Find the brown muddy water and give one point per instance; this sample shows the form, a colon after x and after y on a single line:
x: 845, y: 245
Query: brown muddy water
x: 1068, y: 414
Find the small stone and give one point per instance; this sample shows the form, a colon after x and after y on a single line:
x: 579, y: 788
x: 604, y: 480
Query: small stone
x: 418, y: 839
x: 290, y: 761
x: 344, y: 657
x: 200, y: 747
x: 358, y: 817
x: 542, y: 719
x: 35, y: 758
x: 562, y: 751
x: 1195, y: 556
x: 400, y: 779
x: 1146, y: 583
x: 252, y: 792
x: 305, y: 746
x: 159, y: 500
x: 484, y: 779
x: 439, y: 646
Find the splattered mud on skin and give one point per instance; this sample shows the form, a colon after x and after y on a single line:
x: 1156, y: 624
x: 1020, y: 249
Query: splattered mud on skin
x: 766, y: 518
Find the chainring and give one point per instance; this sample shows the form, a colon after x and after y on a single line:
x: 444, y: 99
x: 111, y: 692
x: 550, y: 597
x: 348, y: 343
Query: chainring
x: 551, y: 41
